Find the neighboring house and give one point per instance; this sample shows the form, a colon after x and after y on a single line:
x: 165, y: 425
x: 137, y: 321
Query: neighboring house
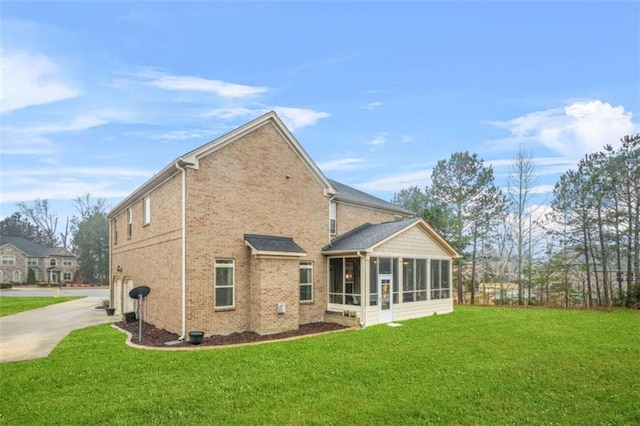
x: 18, y: 255
x: 246, y: 233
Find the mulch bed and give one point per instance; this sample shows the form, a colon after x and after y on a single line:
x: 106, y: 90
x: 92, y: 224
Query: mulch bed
x: 152, y: 336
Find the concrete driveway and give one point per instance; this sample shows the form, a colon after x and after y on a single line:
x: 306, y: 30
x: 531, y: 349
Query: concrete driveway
x: 33, y: 334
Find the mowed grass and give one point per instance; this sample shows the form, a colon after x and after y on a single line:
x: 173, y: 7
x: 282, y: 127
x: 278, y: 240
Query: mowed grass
x: 13, y: 305
x: 483, y: 366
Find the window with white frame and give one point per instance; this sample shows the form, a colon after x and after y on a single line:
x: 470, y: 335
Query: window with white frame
x: 8, y: 260
x: 66, y: 276
x: 129, y: 222
x: 1, y: 276
x: 16, y: 276
x: 224, y: 278
x: 32, y: 261
x: 306, y: 281
x: 67, y: 262
x: 53, y: 262
x: 440, y: 283
x: 333, y: 225
x: 414, y: 280
x: 115, y: 230
x: 146, y: 210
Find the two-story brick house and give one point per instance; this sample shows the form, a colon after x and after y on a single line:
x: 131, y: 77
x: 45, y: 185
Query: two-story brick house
x: 246, y: 233
x: 49, y: 264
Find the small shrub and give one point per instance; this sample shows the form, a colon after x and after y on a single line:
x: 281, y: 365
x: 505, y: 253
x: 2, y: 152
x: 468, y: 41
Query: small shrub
x: 31, y: 277
x: 6, y: 285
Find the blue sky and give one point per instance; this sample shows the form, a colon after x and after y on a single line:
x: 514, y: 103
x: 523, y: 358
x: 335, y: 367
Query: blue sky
x: 97, y: 96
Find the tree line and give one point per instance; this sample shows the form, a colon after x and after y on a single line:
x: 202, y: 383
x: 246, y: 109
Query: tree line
x: 584, y: 251
x: 86, y: 234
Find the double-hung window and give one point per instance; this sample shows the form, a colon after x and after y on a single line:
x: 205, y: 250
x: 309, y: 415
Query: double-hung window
x: 146, y: 210
x: 333, y: 225
x: 115, y: 230
x: 129, y: 222
x: 306, y: 281
x: 67, y: 262
x: 8, y: 260
x: 224, y: 283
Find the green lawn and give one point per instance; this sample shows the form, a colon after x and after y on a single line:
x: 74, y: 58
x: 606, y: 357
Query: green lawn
x: 13, y: 305
x: 476, y: 366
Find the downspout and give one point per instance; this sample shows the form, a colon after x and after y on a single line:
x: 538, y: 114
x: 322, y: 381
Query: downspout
x: 184, y: 249
x: 110, y: 276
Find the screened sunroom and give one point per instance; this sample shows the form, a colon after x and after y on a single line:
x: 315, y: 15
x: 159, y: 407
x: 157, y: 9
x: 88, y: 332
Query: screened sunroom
x: 390, y: 271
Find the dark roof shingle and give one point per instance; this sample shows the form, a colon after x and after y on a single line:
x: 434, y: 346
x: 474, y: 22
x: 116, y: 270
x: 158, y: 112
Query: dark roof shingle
x: 29, y: 247
x: 273, y: 244
x: 367, y: 235
x: 352, y: 195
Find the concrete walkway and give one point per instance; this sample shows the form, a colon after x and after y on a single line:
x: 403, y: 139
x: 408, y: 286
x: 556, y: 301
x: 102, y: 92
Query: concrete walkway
x: 33, y: 334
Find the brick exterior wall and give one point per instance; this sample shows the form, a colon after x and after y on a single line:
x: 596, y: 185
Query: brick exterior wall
x: 255, y: 185
x: 152, y: 256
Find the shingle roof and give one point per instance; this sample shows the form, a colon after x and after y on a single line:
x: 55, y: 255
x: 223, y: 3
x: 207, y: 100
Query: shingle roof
x: 352, y: 195
x: 269, y: 243
x: 367, y: 235
x: 29, y: 247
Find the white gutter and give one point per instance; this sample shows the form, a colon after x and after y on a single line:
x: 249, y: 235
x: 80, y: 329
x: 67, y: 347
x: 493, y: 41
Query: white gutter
x: 184, y: 250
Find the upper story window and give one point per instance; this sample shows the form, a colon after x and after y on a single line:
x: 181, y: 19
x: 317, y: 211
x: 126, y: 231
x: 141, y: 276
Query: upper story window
x: 306, y: 281
x: 67, y: 262
x: 129, y: 222
x: 333, y: 225
x: 223, y: 283
x: 146, y: 210
x: 115, y: 230
x: 53, y: 262
x: 32, y: 261
x: 8, y: 260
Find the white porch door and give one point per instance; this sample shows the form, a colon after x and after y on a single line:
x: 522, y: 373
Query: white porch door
x: 385, y: 312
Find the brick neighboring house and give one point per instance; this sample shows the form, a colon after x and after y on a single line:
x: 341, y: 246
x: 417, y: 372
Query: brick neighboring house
x: 50, y: 264
x: 246, y: 233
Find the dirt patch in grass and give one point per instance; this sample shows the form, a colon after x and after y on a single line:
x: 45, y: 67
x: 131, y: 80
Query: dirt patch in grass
x: 153, y: 336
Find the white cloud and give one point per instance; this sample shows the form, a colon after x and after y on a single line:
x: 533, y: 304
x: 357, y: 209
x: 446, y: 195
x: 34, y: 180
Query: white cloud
x: 407, y: 139
x: 377, y: 141
x: 297, y: 118
x: 30, y: 79
x: 64, y: 189
x: 573, y: 130
x: 294, y: 118
x: 420, y: 178
x: 372, y: 105
x: 341, y: 164
x: 230, y: 113
x: 198, y: 84
x: 80, y: 171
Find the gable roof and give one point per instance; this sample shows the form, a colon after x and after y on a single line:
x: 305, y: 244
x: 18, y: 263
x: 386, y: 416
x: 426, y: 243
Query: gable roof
x: 192, y: 158
x: 366, y: 237
x: 272, y: 245
x: 32, y: 249
x: 351, y: 195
